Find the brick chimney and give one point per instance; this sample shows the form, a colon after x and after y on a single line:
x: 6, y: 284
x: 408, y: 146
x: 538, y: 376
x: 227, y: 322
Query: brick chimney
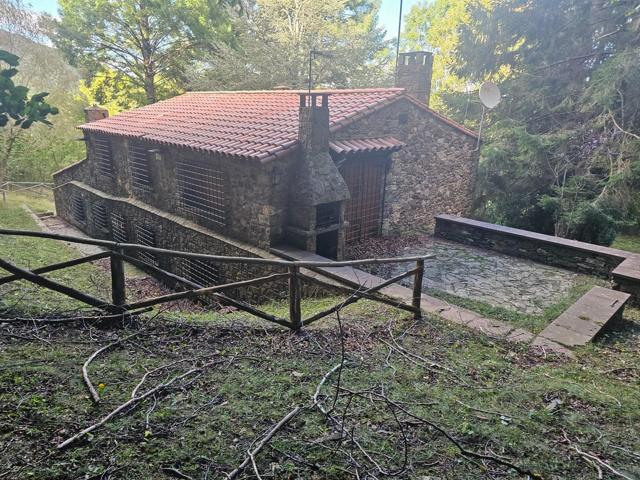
x: 93, y: 113
x: 414, y: 74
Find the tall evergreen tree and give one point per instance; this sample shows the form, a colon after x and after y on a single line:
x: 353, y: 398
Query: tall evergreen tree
x: 562, y: 154
x: 277, y: 36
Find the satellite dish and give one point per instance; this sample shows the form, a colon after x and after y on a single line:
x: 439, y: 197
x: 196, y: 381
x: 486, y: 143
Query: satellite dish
x: 489, y: 94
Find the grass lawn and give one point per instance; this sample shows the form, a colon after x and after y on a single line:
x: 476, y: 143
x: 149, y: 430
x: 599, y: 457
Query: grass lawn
x: 631, y: 243
x: 404, y: 384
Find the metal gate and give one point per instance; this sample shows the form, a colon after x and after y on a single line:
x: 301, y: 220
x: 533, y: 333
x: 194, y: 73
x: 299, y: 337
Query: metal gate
x: 365, y: 177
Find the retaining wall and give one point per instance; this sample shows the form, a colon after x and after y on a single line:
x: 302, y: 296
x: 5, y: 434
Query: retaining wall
x: 176, y: 233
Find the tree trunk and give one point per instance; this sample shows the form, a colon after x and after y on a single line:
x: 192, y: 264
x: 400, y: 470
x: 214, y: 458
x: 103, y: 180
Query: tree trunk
x: 10, y: 136
x: 150, y: 87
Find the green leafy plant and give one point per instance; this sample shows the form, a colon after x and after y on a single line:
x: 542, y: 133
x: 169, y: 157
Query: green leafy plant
x: 15, y: 103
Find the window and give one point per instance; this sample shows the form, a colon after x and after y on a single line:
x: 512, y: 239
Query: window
x: 203, y: 272
x: 138, y: 158
x: 119, y: 228
x: 403, y: 118
x: 77, y: 208
x: 104, y: 157
x: 202, y: 191
x: 147, y: 237
x: 99, y: 214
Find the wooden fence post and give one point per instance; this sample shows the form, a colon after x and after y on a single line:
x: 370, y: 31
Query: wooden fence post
x: 118, y: 292
x: 295, y: 314
x: 417, y: 288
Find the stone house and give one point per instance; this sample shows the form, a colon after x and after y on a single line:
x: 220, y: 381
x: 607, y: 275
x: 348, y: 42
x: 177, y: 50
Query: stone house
x: 236, y: 173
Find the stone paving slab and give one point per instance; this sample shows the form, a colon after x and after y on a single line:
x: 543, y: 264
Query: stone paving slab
x: 582, y: 321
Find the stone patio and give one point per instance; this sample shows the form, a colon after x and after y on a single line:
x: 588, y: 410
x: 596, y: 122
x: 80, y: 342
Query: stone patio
x: 494, y: 278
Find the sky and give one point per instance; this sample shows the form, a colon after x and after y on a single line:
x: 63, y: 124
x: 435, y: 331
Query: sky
x: 388, y: 12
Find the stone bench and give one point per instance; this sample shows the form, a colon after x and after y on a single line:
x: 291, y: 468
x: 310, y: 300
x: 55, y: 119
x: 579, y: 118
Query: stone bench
x: 583, y: 320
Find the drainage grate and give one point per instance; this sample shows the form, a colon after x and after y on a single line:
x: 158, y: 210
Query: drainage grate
x: 202, y: 190
x: 99, y: 214
x: 119, y: 228
x: 202, y: 272
x: 147, y: 237
x: 104, y: 157
x: 138, y: 158
x: 77, y: 208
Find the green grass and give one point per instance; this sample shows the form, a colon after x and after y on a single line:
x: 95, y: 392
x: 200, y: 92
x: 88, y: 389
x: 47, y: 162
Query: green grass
x: 33, y: 252
x: 530, y: 408
x: 530, y: 322
x: 630, y: 243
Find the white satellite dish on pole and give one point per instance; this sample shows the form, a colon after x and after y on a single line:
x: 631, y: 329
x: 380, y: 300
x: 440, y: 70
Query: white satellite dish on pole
x: 489, y: 95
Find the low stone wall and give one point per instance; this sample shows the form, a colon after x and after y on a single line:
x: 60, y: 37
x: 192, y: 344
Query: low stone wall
x: 618, y: 265
x: 172, y: 232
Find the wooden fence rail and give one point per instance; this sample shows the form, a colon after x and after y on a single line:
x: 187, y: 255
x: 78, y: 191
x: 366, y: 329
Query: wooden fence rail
x: 32, y: 187
x: 120, y: 252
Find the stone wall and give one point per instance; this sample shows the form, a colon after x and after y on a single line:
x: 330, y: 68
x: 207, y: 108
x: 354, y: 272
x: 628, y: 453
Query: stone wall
x: 255, y: 199
x: 175, y: 233
x: 434, y: 173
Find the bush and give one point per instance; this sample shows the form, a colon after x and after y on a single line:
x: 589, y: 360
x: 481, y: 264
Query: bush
x: 590, y: 224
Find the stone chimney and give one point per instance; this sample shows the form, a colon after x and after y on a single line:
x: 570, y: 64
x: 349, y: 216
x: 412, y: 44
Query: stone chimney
x: 316, y: 179
x: 91, y: 114
x: 317, y: 174
x: 414, y: 74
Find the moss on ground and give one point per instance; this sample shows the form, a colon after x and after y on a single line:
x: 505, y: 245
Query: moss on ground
x: 631, y: 243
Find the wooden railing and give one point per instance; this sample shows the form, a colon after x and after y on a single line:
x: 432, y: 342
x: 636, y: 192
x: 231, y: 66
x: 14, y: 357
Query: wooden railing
x: 38, y: 188
x: 121, y: 252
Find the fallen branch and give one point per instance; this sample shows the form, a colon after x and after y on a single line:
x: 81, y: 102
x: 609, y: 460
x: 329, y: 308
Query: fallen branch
x: 447, y: 435
x: 132, y: 402
x: 85, y: 373
x: 75, y: 319
x: 250, y: 458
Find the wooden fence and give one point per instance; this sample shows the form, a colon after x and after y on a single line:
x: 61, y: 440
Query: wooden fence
x: 38, y: 188
x: 120, y: 252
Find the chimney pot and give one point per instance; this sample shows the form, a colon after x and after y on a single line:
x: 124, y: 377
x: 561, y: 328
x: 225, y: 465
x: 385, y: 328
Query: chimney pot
x: 414, y: 73
x: 313, y: 132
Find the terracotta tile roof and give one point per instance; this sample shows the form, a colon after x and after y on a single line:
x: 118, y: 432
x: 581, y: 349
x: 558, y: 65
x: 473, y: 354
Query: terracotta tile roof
x: 259, y: 125
x: 366, y: 145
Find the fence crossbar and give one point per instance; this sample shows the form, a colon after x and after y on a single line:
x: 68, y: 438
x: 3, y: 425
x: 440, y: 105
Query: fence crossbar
x: 222, y: 297
x: 216, y: 258
x: 58, y: 266
x: 203, y: 291
x: 358, y: 295
x: 57, y: 287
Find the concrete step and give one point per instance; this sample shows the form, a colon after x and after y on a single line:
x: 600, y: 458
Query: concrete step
x: 583, y: 320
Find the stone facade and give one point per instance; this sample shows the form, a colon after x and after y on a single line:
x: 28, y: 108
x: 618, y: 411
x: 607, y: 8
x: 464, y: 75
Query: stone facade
x: 256, y: 195
x: 434, y: 172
